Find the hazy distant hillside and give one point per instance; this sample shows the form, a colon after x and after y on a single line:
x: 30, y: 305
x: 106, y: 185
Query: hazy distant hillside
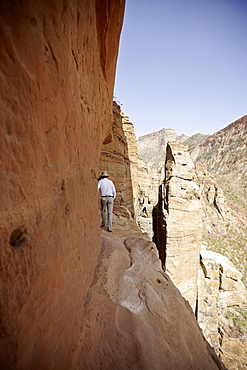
x: 225, y: 154
x: 152, y: 147
x: 195, y: 140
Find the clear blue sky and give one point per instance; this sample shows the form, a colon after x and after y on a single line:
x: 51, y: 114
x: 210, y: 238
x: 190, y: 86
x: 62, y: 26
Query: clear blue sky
x: 182, y: 64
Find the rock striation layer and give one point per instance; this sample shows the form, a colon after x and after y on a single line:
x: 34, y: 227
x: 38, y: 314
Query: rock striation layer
x: 57, y: 64
x: 149, y: 181
x: 137, y: 187
x: 130, y: 136
x: 114, y: 159
x: 221, y: 293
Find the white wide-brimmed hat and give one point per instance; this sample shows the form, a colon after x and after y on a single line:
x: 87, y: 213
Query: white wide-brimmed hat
x: 105, y: 174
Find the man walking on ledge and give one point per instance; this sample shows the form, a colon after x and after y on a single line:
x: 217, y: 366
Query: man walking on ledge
x: 108, y: 193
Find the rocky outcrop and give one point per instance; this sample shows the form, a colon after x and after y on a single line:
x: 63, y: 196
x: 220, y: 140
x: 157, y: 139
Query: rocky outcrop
x: 152, y: 152
x: 178, y: 221
x: 216, y: 287
x: 149, y: 181
x: 224, y: 223
x: 137, y: 186
x: 212, y: 197
x: 221, y: 293
x: 135, y: 318
x: 130, y: 136
x: 57, y: 72
x: 115, y: 160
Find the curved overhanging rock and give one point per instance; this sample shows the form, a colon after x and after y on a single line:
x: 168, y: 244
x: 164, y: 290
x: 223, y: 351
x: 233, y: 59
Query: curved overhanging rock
x: 57, y: 62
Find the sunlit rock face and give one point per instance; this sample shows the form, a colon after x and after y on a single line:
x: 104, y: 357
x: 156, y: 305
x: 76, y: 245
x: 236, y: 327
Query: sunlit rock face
x: 216, y: 212
x: 136, y: 187
x: 220, y: 289
x: 178, y: 221
x: 57, y: 64
x: 115, y: 159
x: 129, y: 132
x: 135, y: 317
x: 149, y: 181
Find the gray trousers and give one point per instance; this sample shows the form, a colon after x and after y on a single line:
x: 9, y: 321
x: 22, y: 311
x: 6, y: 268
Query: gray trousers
x: 107, y: 202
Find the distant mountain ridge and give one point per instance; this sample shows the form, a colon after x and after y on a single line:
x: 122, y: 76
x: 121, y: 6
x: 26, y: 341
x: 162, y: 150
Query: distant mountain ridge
x: 152, y: 147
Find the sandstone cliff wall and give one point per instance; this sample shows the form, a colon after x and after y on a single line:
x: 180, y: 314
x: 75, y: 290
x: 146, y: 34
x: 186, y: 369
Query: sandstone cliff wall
x: 115, y: 159
x: 149, y: 180
x: 221, y: 295
x: 129, y: 133
x: 57, y: 73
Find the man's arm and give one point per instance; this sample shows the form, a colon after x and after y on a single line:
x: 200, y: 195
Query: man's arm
x: 113, y: 191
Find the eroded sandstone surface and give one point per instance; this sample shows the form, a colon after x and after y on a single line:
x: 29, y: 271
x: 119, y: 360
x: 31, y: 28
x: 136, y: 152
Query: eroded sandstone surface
x: 57, y: 64
x: 221, y: 293
x: 115, y: 160
x: 178, y: 221
x: 135, y: 318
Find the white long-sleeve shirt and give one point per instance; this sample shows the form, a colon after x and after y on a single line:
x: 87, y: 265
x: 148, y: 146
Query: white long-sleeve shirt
x: 106, y: 188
